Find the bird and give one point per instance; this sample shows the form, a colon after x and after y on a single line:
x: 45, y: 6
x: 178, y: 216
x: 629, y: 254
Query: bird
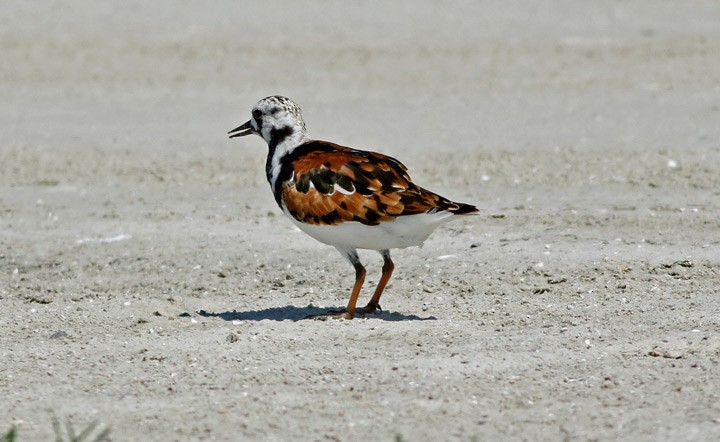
x: 348, y: 198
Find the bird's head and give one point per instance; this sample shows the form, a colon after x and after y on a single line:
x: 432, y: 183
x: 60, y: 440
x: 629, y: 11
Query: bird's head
x: 276, y: 119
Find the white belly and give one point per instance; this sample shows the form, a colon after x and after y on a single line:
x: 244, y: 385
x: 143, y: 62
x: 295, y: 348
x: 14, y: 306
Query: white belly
x: 404, y: 231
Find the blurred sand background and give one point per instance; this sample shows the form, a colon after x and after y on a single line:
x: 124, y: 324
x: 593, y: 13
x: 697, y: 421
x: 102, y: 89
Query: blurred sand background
x: 149, y: 282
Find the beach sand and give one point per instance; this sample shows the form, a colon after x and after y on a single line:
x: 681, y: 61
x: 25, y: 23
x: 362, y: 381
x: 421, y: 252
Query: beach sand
x: 149, y: 282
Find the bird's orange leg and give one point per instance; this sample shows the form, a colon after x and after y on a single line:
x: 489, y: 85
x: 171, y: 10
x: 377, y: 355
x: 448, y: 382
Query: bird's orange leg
x: 360, y: 272
x: 359, y: 280
x: 387, y: 269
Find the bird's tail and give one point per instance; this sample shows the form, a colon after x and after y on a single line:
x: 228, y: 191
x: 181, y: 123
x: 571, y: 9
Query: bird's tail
x: 463, y: 209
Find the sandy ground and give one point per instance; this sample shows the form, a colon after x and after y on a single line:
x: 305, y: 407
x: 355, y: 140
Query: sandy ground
x: 149, y: 282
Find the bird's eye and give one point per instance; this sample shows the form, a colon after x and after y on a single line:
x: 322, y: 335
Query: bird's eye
x: 257, y: 114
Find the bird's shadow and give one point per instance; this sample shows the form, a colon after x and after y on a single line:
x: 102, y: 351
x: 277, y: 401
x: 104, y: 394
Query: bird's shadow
x: 293, y: 313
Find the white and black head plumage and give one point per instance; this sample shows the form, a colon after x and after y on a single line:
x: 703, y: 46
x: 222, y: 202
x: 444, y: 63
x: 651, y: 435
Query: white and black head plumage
x: 278, y: 120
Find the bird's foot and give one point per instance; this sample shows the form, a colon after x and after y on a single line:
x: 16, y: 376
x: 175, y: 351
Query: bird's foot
x: 344, y: 314
x: 368, y: 309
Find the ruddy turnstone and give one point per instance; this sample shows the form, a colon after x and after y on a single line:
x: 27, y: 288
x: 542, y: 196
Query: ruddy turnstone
x: 348, y: 198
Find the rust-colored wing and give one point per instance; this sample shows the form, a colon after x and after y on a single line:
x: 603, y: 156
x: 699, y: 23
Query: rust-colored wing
x: 336, y: 184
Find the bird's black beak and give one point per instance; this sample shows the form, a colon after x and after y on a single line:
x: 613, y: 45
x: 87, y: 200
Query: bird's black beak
x: 241, y: 131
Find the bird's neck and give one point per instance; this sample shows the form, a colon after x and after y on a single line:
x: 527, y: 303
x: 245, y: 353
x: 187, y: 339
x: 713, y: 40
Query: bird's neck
x: 281, y: 142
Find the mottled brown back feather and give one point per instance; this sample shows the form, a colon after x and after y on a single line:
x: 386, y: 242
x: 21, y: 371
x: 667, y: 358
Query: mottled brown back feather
x: 375, y: 188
